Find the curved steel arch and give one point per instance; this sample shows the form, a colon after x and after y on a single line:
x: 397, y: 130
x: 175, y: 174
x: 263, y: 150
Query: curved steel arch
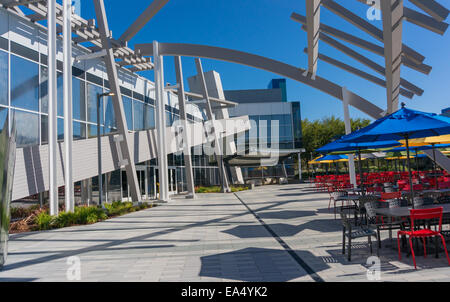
x: 252, y: 60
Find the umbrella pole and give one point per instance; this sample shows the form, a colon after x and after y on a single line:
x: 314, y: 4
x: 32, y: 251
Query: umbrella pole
x: 434, y: 167
x: 361, y: 173
x: 417, y: 163
x: 409, y: 171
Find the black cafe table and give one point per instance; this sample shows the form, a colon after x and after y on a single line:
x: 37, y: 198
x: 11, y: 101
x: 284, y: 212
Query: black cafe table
x: 404, y: 212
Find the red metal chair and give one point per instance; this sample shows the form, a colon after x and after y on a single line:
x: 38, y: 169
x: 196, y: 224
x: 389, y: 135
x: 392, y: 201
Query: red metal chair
x: 423, y: 214
x: 392, y: 195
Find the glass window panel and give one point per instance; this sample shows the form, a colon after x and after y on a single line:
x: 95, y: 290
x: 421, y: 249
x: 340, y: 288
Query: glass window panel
x: 149, y: 117
x: 78, y: 99
x: 110, y: 118
x: 92, y: 94
x: 24, y: 84
x: 138, y: 109
x: 168, y: 119
x: 44, y: 92
x: 79, y: 130
x: 3, y: 117
x: 27, y: 128
x: 92, y: 130
x: 3, y: 78
x: 128, y: 108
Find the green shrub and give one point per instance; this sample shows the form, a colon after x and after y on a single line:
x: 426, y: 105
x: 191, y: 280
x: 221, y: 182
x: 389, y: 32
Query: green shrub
x: 44, y: 221
x: 65, y: 219
x: 217, y: 189
x: 87, y: 215
x: 118, y: 208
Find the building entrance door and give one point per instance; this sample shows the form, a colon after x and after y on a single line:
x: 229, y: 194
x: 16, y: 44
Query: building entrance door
x: 154, y: 182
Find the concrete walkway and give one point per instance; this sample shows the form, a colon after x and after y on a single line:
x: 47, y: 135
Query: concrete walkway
x: 271, y: 233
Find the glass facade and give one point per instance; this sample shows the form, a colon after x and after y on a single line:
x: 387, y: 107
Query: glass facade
x: 262, y: 133
x: 25, y: 94
x: 27, y: 100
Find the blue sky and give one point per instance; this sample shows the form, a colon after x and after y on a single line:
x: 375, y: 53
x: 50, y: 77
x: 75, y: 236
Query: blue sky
x: 264, y: 27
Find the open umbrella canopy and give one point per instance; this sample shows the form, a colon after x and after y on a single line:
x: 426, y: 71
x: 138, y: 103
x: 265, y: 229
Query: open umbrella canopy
x: 340, y: 147
x: 405, y: 123
x: 442, y: 139
x: 332, y: 158
x: 419, y: 148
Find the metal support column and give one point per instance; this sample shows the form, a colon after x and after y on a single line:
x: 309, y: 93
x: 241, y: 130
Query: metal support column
x: 161, y: 124
x: 186, y: 138
x: 68, y: 124
x: 348, y: 129
x: 52, y: 110
x: 122, y: 127
x: 217, y: 145
x: 300, y: 167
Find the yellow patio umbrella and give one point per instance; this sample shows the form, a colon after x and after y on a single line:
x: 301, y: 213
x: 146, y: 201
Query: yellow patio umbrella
x: 436, y: 140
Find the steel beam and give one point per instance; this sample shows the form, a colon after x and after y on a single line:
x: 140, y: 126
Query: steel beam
x: 433, y: 8
x: 313, y: 23
x: 374, y: 48
x: 362, y: 74
x: 348, y: 130
x: 368, y: 27
x: 52, y: 108
x: 421, y: 20
x: 119, y: 111
x: 369, y: 63
x: 212, y: 131
x: 68, y: 122
x: 392, y: 12
x: 161, y: 124
x: 252, y: 60
x: 143, y: 19
x: 425, y: 21
x: 186, y: 138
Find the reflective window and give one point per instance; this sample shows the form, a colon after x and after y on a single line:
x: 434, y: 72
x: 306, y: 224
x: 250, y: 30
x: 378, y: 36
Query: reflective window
x: 92, y: 93
x: 79, y: 130
x: 138, y: 110
x: 110, y: 119
x: 128, y: 107
x: 92, y: 130
x: 44, y: 92
x: 3, y: 117
x: 27, y: 128
x: 44, y: 129
x: 78, y: 99
x: 3, y: 78
x: 24, y: 84
x: 149, y: 117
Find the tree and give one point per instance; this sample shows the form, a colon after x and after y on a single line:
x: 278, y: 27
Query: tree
x: 321, y: 132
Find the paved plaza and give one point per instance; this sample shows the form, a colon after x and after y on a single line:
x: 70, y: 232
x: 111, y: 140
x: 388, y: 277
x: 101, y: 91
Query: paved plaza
x: 270, y: 233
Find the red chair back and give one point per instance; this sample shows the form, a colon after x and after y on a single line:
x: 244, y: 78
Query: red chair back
x: 391, y: 195
x: 422, y: 214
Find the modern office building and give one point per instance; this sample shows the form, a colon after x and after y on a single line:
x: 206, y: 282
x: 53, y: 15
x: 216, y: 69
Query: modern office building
x: 24, y: 100
x: 268, y: 108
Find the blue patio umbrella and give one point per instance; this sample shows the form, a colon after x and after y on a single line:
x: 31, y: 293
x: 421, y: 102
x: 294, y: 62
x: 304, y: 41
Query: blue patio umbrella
x: 341, y: 146
x: 403, y: 124
x: 332, y: 157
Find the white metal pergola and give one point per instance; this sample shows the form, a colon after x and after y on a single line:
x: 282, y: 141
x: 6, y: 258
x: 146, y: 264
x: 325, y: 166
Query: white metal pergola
x: 116, y: 53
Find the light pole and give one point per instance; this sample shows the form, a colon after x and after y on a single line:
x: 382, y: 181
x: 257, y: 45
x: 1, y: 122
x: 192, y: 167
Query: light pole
x: 99, y: 147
